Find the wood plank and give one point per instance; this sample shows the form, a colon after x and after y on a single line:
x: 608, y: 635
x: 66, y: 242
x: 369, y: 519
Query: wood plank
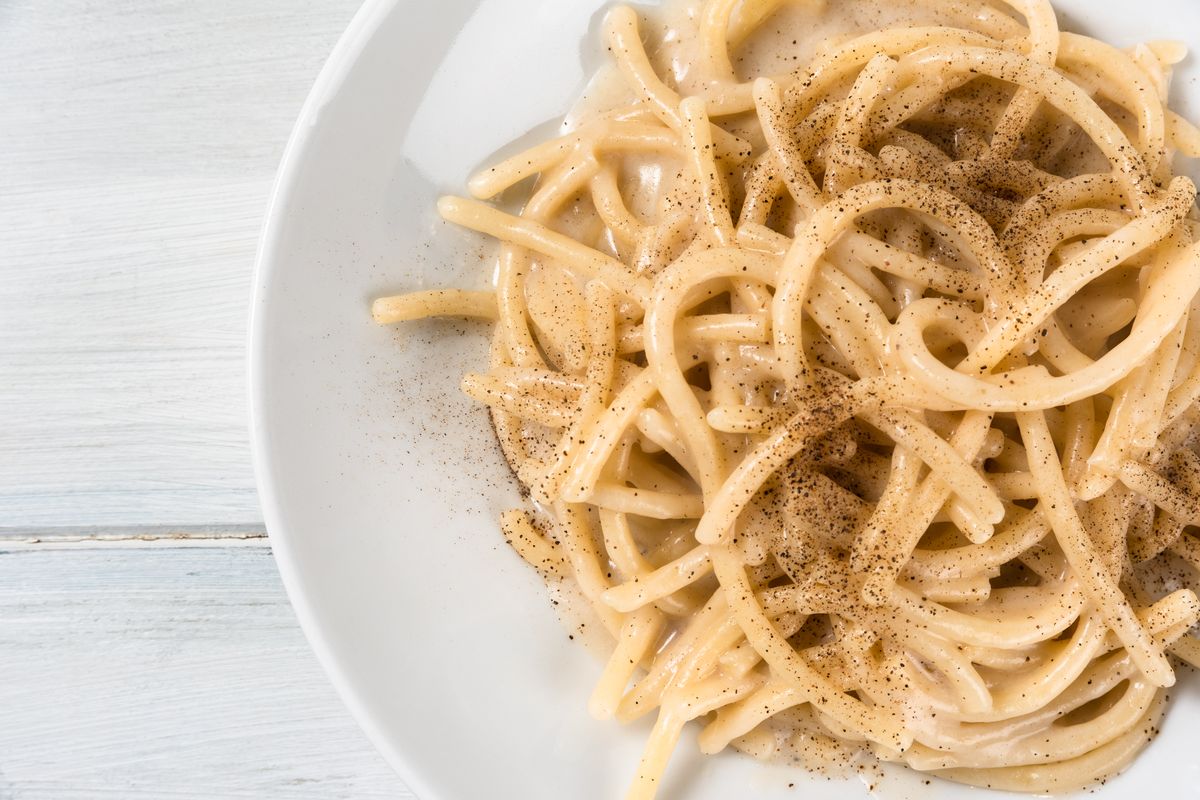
x: 134, y: 671
x: 138, y: 142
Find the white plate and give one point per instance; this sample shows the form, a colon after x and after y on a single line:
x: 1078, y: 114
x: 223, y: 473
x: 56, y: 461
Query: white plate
x: 380, y: 483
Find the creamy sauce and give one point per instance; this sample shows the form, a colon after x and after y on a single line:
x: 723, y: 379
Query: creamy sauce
x: 792, y: 35
x: 785, y: 42
x: 834, y: 544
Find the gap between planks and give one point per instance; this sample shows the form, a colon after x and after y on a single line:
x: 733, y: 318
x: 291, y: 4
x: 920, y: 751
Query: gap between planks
x: 165, y: 536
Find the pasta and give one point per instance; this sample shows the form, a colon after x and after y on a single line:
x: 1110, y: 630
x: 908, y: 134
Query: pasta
x: 850, y: 352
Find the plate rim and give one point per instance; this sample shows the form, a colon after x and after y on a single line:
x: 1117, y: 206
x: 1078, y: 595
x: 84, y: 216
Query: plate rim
x: 341, y: 60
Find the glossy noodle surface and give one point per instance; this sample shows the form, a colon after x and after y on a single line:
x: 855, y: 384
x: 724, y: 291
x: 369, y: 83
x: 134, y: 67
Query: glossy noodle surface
x: 849, y: 353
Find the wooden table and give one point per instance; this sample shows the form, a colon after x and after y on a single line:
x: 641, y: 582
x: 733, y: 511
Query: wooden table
x: 146, y: 647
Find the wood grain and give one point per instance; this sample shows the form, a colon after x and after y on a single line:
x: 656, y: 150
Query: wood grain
x: 147, y: 649
x: 138, y: 144
x: 134, y: 671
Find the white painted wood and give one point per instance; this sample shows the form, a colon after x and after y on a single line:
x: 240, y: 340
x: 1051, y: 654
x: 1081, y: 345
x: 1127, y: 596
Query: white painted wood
x: 134, y: 671
x: 138, y: 144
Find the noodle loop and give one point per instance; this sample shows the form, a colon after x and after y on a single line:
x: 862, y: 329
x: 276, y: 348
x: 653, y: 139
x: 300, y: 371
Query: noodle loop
x: 854, y: 374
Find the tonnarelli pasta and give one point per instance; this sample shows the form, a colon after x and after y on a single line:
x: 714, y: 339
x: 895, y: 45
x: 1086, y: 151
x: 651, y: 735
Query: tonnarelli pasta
x: 850, y: 351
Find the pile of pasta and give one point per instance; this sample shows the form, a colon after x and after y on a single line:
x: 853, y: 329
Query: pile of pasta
x: 859, y: 400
